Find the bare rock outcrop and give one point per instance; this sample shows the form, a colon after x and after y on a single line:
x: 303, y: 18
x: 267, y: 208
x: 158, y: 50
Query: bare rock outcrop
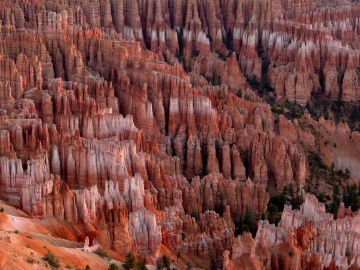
x: 142, y: 125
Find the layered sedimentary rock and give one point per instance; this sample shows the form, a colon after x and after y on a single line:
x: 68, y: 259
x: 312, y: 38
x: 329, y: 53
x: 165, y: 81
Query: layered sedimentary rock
x: 282, y: 39
x: 137, y: 121
x: 308, y: 238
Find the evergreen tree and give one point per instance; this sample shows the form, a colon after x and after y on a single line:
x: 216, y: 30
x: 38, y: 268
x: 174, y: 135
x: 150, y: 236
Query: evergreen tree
x: 334, y: 206
x: 166, y: 262
x: 249, y: 221
x: 141, y: 265
x: 352, y: 197
x: 129, y: 261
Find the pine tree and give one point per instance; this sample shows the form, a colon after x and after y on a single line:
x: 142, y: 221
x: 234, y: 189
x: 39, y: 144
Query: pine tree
x: 166, y: 262
x: 249, y: 221
x: 129, y: 261
x: 334, y: 206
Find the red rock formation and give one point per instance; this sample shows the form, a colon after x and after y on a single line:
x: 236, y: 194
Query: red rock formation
x: 298, y: 241
x: 137, y: 122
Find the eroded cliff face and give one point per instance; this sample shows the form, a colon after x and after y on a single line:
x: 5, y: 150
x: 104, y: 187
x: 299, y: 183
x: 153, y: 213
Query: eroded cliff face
x: 107, y: 120
x: 295, y: 48
x: 308, y: 238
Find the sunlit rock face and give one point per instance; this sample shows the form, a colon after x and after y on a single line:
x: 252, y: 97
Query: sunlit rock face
x: 138, y: 122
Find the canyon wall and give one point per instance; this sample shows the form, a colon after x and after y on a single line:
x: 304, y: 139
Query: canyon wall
x: 308, y: 238
x: 127, y: 117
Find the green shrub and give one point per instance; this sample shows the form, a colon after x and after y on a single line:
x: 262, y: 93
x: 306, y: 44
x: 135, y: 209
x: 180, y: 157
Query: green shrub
x: 163, y: 263
x: 52, y: 260
x: 195, y: 215
x: 214, y: 80
x: 141, y: 264
x: 113, y: 266
x: 31, y: 260
x: 101, y: 252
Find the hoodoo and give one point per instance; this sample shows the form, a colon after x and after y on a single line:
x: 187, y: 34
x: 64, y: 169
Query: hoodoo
x: 180, y: 134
